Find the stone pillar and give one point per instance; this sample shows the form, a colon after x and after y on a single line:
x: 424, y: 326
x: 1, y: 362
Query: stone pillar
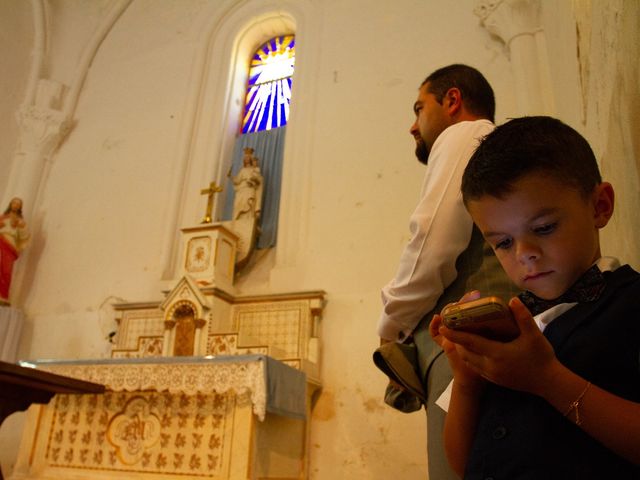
x: 317, y: 306
x: 42, y: 128
x: 199, y: 324
x: 168, y: 341
x: 517, y: 24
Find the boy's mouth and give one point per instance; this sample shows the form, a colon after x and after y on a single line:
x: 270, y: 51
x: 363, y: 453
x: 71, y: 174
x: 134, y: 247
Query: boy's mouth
x: 535, y: 276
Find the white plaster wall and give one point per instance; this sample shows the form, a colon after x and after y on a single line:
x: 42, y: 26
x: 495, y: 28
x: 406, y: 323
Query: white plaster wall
x: 593, y: 49
x: 366, y: 182
x: 16, y: 38
x: 612, y: 113
x: 100, y: 228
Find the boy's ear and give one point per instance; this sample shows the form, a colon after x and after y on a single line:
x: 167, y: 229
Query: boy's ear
x: 603, y: 201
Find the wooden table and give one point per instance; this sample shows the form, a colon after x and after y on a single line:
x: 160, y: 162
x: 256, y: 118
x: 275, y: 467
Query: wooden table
x: 22, y: 386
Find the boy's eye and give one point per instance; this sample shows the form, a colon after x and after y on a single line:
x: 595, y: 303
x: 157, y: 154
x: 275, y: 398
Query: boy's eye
x: 503, y: 244
x: 545, y: 229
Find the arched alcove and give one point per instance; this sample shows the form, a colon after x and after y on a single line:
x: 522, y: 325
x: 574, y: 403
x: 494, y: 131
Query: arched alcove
x: 184, y: 317
x: 214, y: 110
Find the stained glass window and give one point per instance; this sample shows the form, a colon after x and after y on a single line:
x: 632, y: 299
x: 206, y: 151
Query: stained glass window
x: 269, y: 86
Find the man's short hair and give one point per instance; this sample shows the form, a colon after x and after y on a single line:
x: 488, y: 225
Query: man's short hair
x: 530, y: 145
x: 477, y: 94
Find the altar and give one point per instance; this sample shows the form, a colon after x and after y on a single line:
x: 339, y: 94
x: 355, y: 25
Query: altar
x: 226, y: 417
x: 202, y: 383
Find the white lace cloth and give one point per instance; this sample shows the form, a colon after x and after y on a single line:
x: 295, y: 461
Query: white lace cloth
x: 256, y: 375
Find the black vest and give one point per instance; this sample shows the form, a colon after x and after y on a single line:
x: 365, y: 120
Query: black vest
x: 520, y: 436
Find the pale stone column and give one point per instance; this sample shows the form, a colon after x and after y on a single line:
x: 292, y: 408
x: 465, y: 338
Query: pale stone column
x: 517, y: 24
x: 46, y: 115
x: 41, y: 132
x: 313, y: 352
x: 169, y: 332
x: 197, y: 349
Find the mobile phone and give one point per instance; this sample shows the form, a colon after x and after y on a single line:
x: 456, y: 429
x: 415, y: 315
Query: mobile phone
x: 488, y: 316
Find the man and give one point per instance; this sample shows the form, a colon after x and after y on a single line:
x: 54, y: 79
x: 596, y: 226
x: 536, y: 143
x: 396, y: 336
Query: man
x: 446, y: 255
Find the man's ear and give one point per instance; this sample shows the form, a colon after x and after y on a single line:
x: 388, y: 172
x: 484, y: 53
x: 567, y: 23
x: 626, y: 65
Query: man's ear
x: 603, y: 202
x: 453, y: 101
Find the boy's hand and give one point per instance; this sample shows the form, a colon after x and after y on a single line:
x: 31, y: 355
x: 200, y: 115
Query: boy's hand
x: 434, y: 327
x: 463, y: 375
x: 436, y: 321
x: 522, y: 364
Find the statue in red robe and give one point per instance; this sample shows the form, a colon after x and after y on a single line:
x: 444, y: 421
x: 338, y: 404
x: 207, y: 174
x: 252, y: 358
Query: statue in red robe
x: 13, y: 239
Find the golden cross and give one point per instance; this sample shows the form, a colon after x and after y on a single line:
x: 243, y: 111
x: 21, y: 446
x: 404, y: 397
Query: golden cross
x: 210, y: 192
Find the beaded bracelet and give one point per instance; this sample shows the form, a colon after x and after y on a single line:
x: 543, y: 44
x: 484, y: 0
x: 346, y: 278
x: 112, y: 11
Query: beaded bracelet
x: 575, y: 405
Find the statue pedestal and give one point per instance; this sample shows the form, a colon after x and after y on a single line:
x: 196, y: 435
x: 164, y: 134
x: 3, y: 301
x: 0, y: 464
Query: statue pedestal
x: 11, y: 320
x: 209, y: 255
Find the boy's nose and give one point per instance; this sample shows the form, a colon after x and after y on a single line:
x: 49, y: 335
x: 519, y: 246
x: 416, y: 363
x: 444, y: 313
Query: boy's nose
x: 527, y: 251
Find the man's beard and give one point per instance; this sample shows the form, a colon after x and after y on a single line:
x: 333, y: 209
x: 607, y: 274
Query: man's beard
x: 422, y: 152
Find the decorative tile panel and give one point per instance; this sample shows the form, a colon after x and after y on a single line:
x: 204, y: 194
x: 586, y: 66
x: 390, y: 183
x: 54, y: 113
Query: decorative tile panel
x: 147, y: 347
x: 228, y: 345
x: 283, y: 325
x: 139, y: 323
x: 142, y: 432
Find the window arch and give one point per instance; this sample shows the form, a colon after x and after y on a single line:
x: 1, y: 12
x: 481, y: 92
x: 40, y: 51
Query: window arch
x: 263, y: 128
x: 269, y: 85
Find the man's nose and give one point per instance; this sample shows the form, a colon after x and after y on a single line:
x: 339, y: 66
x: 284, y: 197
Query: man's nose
x: 413, y: 130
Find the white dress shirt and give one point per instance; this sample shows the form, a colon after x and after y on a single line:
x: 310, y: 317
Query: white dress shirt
x: 440, y: 230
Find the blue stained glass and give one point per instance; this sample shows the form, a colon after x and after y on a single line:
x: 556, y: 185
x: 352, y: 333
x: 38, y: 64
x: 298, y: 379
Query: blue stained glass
x: 269, y: 87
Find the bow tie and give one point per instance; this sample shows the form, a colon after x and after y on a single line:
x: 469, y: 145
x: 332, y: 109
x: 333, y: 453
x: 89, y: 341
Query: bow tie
x: 586, y: 289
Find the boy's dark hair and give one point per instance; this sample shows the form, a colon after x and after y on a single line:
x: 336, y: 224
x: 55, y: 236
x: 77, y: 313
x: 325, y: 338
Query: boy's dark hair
x: 477, y: 94
x: 527, y: 145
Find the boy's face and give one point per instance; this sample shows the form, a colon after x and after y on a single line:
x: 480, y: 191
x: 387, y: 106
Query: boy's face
x: 544, y: 233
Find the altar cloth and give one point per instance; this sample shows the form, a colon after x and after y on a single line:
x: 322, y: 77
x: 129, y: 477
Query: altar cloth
x: 273, y: 386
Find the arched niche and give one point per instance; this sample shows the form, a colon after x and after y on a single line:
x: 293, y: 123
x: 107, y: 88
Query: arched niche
x: 214, y: 107
x: 184, y: 316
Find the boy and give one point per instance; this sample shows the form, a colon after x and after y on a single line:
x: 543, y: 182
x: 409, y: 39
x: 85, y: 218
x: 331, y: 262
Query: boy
x: 561, y: 400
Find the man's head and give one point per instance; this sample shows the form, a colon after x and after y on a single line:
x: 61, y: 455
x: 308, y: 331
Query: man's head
x: 449, y: 95
x: 534, y: 189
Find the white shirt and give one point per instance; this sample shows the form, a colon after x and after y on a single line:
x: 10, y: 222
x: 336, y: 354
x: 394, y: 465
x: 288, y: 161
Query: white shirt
x: 440, y: 231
